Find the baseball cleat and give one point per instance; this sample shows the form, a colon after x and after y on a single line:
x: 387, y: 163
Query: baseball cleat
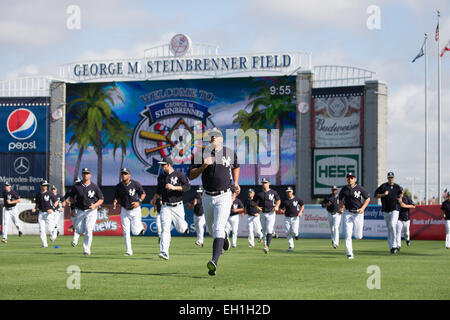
x: 226, y: 242
x: 44, y: 246
x: 392, y: 250
x: 212, y: 267
x: 296, y: 237
x: 20, y: 233
x: 290, y: 249
x: 398, y: 249
x: 250, y: 246
x: 4, y: 241
x: 198, y: 243
x: 350, y: 257
x: 448, y: 248
x: 266, y: 249
x: 163, y: 256
x: 73, y: 244
x: 57, y: 233
x: 234, y: 246
x: 86, y: 254
x: 141, y: 233
x: 126, y: 254
x: 408, y: 243
x: 186, y: 232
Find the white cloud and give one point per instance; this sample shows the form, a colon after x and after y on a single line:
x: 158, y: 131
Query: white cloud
x: 23, y: 71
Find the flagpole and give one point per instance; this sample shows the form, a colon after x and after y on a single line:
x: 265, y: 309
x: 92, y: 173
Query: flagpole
x: 426, y: 121
x: 439, y: 113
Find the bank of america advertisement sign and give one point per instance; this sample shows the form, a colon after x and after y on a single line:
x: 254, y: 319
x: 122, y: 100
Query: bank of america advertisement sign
x: 330, y: 167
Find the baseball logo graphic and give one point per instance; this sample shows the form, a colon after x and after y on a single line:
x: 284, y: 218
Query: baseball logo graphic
x: 21, y: 124
x: 179, y: 45
x: 91, y: 193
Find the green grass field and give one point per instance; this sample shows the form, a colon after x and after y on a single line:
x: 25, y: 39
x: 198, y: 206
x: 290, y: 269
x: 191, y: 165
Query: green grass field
x: 313, y: 271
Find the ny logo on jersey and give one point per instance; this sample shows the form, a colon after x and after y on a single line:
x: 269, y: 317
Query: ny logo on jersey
x: 91, y: 193
x: 46, y: 197
x: 9, y: 197
x: 173, y: 180
x: 131, y: 192
x: 235, y: 206
x: 295, y: 203
x: 226, y: 161
x: 357, y: 194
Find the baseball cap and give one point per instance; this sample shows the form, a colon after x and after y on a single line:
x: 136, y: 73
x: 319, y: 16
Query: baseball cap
x: 7, y: 183
x: 289, y: 189
x: 265, y: 180
x: 85, y: 170
x: 199, y: 189
x: 124, y: 170
x: 45, y: 183
x: 251, y: 190
x: 215, y: 132
x: 76, y: 180
x: 54, y: 187
x: 166, y: 160
x: 350, y: 174
x: 390, y: 174
x: 334, y: 188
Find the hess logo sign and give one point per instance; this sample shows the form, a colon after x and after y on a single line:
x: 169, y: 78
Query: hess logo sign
x: 330, y: 168
x: 21, y: 125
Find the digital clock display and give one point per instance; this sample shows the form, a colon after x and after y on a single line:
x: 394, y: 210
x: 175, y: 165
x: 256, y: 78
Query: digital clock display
x: 280, y: 90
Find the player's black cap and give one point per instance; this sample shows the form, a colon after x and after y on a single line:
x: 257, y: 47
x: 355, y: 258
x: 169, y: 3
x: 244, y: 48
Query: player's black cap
x: 390, y: 174
x: 289, y: 189
x: 215, y: 132
x: 125, y: 170
x: 199, y: 190
x: 334, y: 188
x: 350, y: 174
x: 76, y: 180
x: 166, y: 160
x: 265, y: 180
x: 85, y: 170
x: 251, y: 190
x: 54, y: 187
x: 7, y: 183
x: 45, y: 183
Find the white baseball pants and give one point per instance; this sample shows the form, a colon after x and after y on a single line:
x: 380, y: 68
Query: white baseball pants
x: 158, y: 224
x: 401, y: 228
x: 76, y: 235
x: 254, y: 227
x: 85, y: 223
x: 168, y: 215
x: 447, y: 233
x: 353, y: 225
x: 9, y: 214
x: 233, y: 225
x: 131, y: 219
x: 268, y: 222
x: 199, y: 223
x: 334, y: 221
x: 391, y: 219
x: 291, y: 225
x: 46, y: 224
x: 217, y: 210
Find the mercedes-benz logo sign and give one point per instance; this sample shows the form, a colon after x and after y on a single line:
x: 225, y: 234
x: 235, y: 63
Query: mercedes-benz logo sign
x: 21, y: 165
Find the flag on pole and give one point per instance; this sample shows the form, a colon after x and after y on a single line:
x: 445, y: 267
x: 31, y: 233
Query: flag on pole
x: 446, y: 48
x: 437, y: 32
x: 421, y: 53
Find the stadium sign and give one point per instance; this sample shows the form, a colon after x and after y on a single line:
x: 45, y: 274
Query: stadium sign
x: 330, y: 167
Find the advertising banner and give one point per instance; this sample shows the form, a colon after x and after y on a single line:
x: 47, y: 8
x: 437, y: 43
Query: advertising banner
x: 426, y: 223
x: 135, y: 124
x: 330, y: 167
x: 337, y: 117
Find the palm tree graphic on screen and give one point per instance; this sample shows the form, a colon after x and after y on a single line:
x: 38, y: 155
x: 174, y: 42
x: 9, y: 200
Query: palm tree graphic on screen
x: 94, y: 123
x: 267, y: 111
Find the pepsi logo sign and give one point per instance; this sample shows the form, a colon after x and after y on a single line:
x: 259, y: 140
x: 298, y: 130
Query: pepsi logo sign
x: 21, y: 124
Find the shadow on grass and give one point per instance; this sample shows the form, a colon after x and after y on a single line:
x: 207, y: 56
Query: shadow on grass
x: 330, y: 254
x: 159, y: 274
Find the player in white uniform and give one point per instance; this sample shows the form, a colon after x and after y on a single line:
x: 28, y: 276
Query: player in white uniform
x: 334, y: 217
x: 76, y: 236
x: 199, y: 217
x: 10, y: 198
x: 253, y: 222
x: 59, y: 210
x: 237, y: 209
x: 292, y: 207
x: 129, y: 194
x: 45, y: 202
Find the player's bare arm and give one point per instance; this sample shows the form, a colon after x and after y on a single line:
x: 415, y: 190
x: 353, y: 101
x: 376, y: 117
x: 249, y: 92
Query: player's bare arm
x: 364, y: 206
x: 195, y: 172
x: 301, y: 210
x: 277, y: 205
x: 341, y: 207
x: 156, y: 196
x: 93, y: 206
x: 236, y: 172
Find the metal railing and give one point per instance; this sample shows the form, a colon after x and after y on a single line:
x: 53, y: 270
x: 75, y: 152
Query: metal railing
x: 38, y: 86
x: 337, y: 76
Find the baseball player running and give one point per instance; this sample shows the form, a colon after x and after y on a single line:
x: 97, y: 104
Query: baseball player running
x: 129, y: 194
x: 390, y: 194
x: 354, y: 198
x: 267, y: 202
x: 219, y: 169
x: 158, y: 204
x: 253, y: 222
x: 334, y: 217
x: 87, y: 197
x: 10, y: 199
x: 445, y: 208
x: 45, y: 202
x: 57, y: 211
x: 403, y: 220
x: 237, y: 208
x: 76, y: 236
x: 170, y: 188
x: 199, y: 217
x: 292, y: 207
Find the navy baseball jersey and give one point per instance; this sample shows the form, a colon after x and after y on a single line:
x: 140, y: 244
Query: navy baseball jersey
x: 175, y: 178
x: 198, y: 208
x: 45, y: 200
x: 404, y: 212
x: 292, y: 206
x: 390, y: 202
x: 11, y: 195
x: 331, y: 203
x: 217, y: 176
x: 237, y: 204
x: 353, y: 197
x: 60, y: 201
x: 267, y: 200
x: 249, y: 208
x: 126, y: 194
x: 85, y: 195
x: 446, y: 208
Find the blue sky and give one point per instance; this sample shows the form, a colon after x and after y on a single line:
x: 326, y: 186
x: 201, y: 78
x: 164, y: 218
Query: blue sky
x: 34, y: 40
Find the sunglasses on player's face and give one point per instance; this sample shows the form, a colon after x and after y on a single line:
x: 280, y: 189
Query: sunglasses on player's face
x: 124, y: 173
